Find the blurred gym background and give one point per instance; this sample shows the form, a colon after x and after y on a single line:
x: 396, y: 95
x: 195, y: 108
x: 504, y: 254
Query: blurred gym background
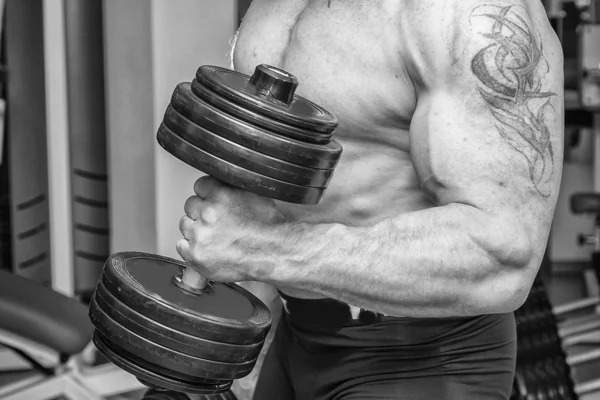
x: 83, y: 88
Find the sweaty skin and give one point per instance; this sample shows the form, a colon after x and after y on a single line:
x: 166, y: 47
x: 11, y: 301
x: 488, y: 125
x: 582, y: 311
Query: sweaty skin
x: 451, y: 121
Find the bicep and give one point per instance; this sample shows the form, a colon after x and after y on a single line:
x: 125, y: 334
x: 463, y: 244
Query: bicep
x: 487, y: 130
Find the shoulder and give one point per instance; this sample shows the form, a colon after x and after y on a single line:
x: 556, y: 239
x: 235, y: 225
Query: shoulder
x: 490, y: 72
x: 456, y: 37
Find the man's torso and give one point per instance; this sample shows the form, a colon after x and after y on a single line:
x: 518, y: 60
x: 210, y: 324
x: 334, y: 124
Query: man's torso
x: 349, y: 58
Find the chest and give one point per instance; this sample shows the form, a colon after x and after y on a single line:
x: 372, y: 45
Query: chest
x: 346, y: 55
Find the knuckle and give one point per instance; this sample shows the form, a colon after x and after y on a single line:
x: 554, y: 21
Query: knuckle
x: 195, y: 256
x: 209, y: 214
x: 198, y: 233
x: 189, y: 251
x: 224, y: 196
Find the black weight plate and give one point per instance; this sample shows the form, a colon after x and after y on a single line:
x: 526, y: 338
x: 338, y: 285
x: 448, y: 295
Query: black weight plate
x: 171, y: 338
x: 229, y: 395
x: 242, y: 156
x: 146, y: 372
x: 235, y: 175
x: 235, y: 86
x: 167, y: 359
x: 320, y: 156
x: 154, y: 394
x: 238, y: 111
x: 229, y: 314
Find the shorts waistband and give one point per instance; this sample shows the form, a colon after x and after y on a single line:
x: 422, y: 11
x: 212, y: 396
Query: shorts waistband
x: 329, y: 314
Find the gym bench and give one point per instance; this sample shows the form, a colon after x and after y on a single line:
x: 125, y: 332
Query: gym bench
x: 49, y: 333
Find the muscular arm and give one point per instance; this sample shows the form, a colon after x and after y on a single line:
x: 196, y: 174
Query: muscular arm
x: 486, y: 142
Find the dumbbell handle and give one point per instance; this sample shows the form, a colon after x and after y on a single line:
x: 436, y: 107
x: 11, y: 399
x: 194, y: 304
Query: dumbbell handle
x: 276, y: 85
x: 194, y: 279
x: 191, y: 281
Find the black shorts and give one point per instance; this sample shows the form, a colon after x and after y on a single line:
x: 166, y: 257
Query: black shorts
x: 320, y: 352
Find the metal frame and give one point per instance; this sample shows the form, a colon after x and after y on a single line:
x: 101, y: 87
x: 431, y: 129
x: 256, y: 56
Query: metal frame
x: 61, y: 240
x: 88, y: 141
x: 26, y: 140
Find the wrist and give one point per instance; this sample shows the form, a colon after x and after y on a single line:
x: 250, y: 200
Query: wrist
x: 278, y: 252
x: 269, y: 246
x: 300, y: 250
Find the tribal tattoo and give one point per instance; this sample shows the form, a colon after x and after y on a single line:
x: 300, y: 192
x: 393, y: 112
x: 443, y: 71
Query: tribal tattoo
x: 510, y: 71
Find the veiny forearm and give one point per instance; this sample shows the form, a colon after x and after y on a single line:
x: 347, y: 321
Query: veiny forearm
x: 443, y: 261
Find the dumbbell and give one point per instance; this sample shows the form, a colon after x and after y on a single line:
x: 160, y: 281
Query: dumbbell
x: 544, y: 370
x: 163, y: 322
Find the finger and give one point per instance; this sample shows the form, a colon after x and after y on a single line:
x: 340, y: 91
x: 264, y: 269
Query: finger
x: 186, y: 227
x: 205, y: 185
x: 183, y: 248
x: 201, y: 210
x: 193, y: 207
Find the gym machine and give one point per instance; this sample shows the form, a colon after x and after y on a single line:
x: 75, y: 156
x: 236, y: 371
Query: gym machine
x: 587, y: 74
x: 549, y: 338
x: 87, y: 141
x: 27, y: 139
x: 42, y: 330
x: 537, y: 312
x: 25, y: 143
x: 589, y: 100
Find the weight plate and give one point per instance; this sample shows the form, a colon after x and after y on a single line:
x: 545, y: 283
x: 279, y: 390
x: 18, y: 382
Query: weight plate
x: 146, y: 373
x: 320, y: 156
x: 235, y: 175
x: 154, y: 394
x: 167, y: 359
x: 235, y: 86
x: 171, y: 338
x: 229, y: 314
x: 277, y: 127
x: 244, y: 157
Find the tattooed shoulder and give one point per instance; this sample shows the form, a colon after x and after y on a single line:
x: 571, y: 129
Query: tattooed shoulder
x: 511, y: 71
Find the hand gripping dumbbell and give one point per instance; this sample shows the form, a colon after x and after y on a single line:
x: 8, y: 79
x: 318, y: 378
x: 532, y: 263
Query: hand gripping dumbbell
x: 165, y: 323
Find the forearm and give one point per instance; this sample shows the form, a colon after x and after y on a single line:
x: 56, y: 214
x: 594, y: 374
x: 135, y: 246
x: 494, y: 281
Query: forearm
x: 437, y: 262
